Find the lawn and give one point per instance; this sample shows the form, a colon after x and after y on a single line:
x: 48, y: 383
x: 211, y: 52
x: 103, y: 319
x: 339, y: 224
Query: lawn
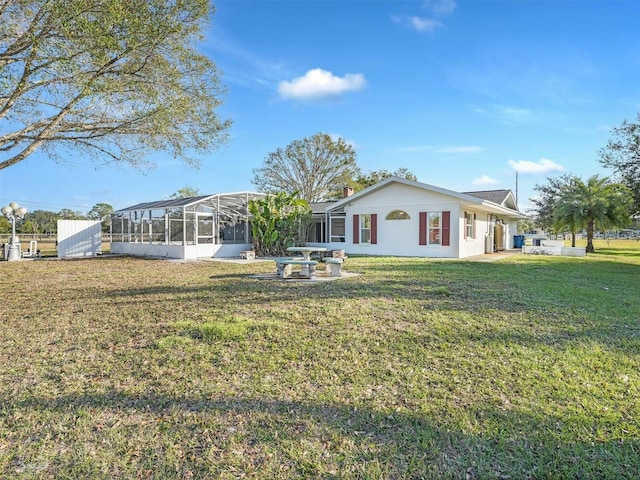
x: 528, y: 367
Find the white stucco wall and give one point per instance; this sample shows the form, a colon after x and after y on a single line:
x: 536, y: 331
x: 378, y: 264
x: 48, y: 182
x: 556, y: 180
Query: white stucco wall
x: 473, y: 246
x: 400, y: 237
x: 188, y: 252
x: 512, y: 229
x: 148, y: 249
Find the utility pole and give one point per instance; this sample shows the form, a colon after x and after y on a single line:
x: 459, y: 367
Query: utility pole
x: 517, y: 208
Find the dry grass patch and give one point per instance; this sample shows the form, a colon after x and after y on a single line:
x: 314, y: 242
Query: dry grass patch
x: 133, y: 368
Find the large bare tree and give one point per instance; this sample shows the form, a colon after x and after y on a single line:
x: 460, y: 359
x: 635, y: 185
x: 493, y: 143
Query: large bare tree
x: 312, y: 167
x: 111, y: 79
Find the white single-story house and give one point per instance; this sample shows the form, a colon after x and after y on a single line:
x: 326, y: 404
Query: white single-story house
x: 394, y: 217
x: 401, y: 217
x: 185, y: 228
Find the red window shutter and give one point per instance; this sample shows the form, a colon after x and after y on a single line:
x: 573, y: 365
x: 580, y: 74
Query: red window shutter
x: 474, y: 225
x: 446, y: 227
x: 422, y: 229
x: 464, y: 225
x: 374, y: 228
x: 356, y: 229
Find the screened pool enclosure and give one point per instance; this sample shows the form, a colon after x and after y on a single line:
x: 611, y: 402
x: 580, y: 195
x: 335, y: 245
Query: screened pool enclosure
x: 185, y: 228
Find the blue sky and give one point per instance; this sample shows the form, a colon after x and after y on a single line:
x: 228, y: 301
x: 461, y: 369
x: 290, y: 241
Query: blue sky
x: 461, y: 93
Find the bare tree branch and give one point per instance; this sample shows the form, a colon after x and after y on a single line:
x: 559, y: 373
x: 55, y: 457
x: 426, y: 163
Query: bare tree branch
x: 96, y: 75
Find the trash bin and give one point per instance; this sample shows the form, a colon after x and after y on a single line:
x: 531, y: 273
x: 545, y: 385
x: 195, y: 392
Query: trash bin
x: 518, y: 241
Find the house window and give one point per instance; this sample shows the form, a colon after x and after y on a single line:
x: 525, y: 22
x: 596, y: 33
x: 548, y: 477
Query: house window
x: 434, y: 228
x: 337, y: 229
x: 398, y: 215
x: 365, y: 228
x: 468, y: 217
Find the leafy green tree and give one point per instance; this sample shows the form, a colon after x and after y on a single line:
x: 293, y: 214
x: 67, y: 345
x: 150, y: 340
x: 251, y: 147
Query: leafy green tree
x: 595, y: 204
x: 312, y: 167
x: 622, y: 154
x: 525, y: 225
x: 374, y: 176
x: 27, y: 227
x: 5, y: 225
x: 277, y: 222
x: 99, y: 211
x: 186, y: 192
x: 543, y: 204
x: 42, y: 221
x: 110, y: 79
x: 102, y: 212
x: 360, y: 181
x: 68, y: 214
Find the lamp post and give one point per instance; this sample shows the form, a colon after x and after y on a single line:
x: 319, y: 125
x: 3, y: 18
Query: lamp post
x: 13, y: 211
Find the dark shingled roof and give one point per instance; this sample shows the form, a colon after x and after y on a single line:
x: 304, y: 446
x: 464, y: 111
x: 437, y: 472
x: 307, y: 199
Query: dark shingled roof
x: 494, y: 196
x: 174, y: 202
x: 222, y: 200
x: 320, y: 206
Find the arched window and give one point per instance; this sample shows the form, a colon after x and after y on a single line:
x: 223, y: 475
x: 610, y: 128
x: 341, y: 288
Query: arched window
x: 398, y: 215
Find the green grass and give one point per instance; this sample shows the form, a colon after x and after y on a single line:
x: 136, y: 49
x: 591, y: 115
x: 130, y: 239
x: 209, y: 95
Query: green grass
x: 627, y: 247
x: 528, y: 367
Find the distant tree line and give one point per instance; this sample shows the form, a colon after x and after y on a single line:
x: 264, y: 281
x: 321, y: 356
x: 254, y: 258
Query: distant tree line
x: 570, y: 204
x: 43, y: 222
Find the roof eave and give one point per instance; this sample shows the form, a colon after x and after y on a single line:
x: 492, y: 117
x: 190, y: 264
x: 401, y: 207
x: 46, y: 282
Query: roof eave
x: 500, y: 210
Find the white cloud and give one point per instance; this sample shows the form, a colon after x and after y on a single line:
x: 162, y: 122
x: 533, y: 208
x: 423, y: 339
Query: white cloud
x: 437, y: 9
x: 485, y: 181
x: 424, y: 24
x: 318, y: 83
x: 417, y: 23
x: 542, y: 166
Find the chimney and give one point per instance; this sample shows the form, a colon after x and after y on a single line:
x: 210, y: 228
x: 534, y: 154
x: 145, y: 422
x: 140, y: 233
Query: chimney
x: 347, y: 192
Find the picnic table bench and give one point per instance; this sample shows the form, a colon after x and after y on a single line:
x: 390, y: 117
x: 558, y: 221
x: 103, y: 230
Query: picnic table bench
x: 333, y: 266
x: 284, y: 267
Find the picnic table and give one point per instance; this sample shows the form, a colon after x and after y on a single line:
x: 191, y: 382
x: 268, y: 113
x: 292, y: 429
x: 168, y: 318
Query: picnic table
x: 307, y: 266
x: 284, y: 267
x: 306, y: 251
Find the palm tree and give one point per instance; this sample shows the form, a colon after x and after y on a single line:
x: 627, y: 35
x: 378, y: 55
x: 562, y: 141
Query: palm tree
x: 596, y: 204
x: 568, y: 214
